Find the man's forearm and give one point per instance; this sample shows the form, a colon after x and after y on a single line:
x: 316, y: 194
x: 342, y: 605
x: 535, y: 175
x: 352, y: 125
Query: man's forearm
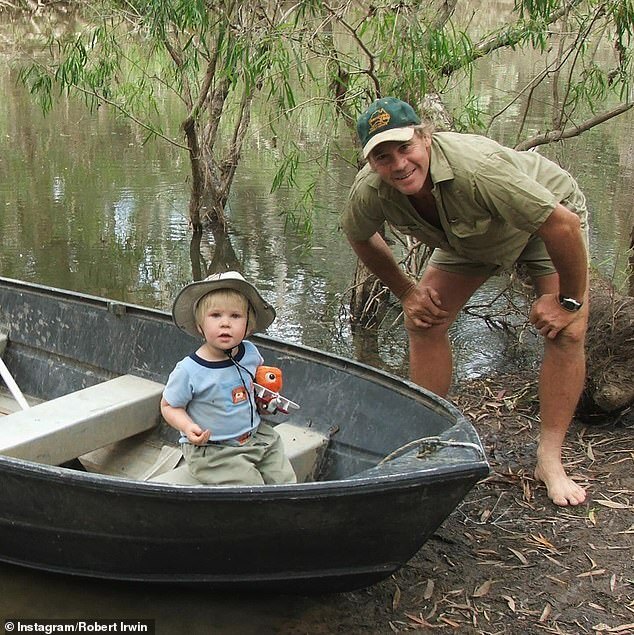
x: 566, y: 247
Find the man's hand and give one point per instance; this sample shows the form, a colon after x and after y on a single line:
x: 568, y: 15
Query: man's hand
x: 422, y: 305
x: 549, y: 317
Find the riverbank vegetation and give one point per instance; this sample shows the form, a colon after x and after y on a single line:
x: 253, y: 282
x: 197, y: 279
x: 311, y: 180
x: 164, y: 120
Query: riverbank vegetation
x: 227, y: 62
x: 238, y: 71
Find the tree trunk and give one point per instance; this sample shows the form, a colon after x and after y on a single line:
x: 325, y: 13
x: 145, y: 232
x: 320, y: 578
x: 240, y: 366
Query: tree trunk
x: 631, y: 261
x: 224, y: 257
x: 609, y: 387
x: 368, y: 301
x: 210, y: 185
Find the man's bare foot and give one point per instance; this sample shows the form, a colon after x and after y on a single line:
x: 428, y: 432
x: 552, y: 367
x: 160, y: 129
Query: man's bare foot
x: 562, y: 490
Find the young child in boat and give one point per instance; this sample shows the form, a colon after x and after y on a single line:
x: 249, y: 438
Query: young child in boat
x: 209, y: 395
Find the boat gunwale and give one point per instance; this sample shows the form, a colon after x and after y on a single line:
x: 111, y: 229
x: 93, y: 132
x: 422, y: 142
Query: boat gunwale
x: 226, y: 581
x: 105, y: 483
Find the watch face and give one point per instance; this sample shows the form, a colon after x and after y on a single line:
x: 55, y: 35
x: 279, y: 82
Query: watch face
x: 570, y: 304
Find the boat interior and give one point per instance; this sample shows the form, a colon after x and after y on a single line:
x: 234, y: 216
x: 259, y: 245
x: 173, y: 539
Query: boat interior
x: 76, y: 430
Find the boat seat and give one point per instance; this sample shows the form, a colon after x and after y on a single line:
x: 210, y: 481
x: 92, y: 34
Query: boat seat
x: 56, y: 431
x: 305, y: 449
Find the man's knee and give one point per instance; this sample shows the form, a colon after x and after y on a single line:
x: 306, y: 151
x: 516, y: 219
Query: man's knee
x: 427, y: 333
x: 573, y: 336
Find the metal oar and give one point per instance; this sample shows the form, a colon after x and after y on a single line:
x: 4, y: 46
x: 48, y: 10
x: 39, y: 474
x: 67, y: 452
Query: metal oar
x: 12, y: 386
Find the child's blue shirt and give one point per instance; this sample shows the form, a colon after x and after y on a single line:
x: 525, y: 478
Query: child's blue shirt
x: 218, y: 396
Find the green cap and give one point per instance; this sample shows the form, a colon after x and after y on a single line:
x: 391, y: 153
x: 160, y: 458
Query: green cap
x: 386, y: 119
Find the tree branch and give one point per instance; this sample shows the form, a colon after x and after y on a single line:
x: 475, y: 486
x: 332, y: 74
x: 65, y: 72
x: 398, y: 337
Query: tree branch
x: 558, y: 135
x: 509, y: 37
x: 370, y: 71
x: 128, y: 115
x: 230, y: 164
x: 178, y: 61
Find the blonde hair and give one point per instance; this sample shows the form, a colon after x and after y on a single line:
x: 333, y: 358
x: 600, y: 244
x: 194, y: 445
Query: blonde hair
x: 224, y: 298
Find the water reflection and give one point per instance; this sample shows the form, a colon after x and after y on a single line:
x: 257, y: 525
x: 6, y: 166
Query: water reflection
x: 35, y: 595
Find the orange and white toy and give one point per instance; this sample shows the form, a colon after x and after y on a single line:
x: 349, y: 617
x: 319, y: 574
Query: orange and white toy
x: 267, y: 387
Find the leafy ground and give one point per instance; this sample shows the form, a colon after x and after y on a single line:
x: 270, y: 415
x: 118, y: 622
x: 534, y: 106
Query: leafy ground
x: 507, y: 561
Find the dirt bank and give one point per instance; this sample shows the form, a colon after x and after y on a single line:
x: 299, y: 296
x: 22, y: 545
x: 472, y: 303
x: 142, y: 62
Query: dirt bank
x: 507, y: 561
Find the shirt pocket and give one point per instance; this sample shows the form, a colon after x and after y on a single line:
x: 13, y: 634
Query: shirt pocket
x: 427, y: 234
x: 477, y: 224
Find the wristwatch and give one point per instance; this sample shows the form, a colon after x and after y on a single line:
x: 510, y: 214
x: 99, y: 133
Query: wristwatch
x: 569, y: 304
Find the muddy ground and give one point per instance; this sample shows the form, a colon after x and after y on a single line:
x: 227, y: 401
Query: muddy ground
x: 507, y: 561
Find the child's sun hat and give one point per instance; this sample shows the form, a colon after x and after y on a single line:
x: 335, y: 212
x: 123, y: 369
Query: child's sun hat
x: 184, y: 309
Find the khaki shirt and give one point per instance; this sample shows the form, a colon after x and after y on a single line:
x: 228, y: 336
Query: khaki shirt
x: 490, y: 199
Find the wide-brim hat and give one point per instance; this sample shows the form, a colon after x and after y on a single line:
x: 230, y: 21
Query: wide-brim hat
x: 386, y: 119
x: 184, y: 309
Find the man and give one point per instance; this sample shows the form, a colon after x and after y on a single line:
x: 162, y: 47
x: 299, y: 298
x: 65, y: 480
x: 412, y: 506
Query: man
x: 483, y: 208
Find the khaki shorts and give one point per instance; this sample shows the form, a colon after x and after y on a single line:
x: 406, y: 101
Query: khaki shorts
x: 534, y: 257
x: 261, y: 460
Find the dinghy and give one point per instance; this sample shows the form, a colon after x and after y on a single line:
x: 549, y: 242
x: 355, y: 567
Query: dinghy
x: 92, y: 481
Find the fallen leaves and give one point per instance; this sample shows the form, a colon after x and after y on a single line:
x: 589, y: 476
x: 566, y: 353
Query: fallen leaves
x: 612, y: 504
x: 540, y: 540
x: 624, y: 629
x: 546, y: 612
x: 590, y: 451
x: 510, y: 602
x: 483, y: 589
x: 396, y: 598
x: 519, y: 555
x: 419, y: 620
x: 592, y: 572
x: 514, y: 563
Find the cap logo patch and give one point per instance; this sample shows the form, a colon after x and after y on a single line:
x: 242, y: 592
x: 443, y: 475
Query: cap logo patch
x: 378, y: 120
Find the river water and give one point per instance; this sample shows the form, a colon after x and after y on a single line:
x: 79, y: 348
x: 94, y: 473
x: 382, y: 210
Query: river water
x: 86, y: 205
